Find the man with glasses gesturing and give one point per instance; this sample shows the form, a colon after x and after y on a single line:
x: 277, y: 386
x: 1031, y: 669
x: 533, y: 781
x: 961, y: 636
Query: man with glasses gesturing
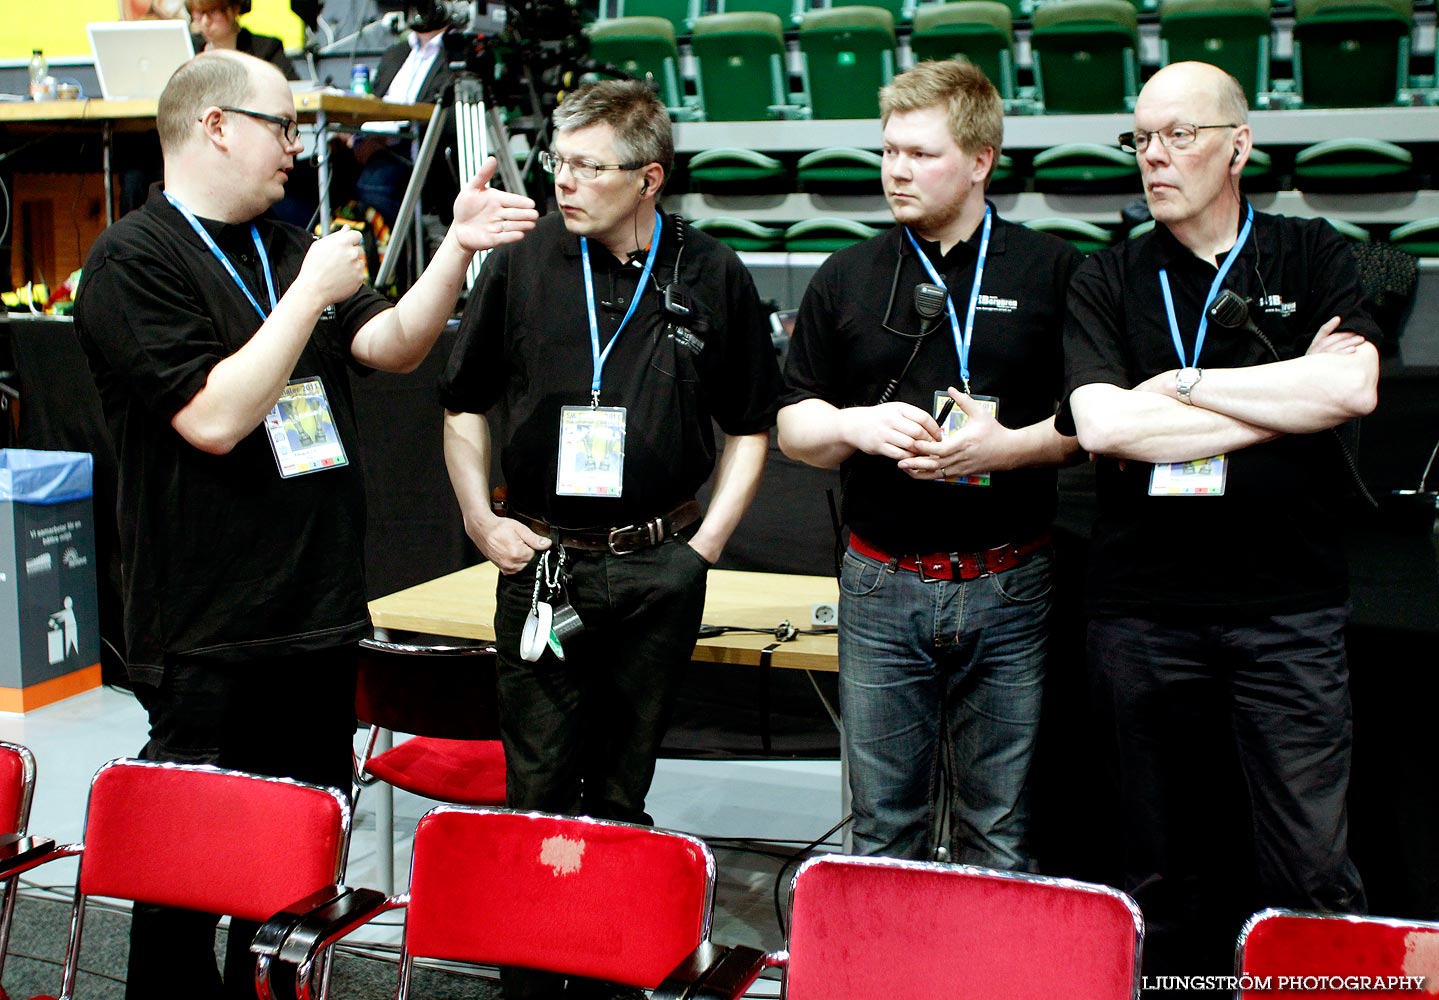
x: 208, y: 327
x: 1217, y: 593
x: 608, y: 341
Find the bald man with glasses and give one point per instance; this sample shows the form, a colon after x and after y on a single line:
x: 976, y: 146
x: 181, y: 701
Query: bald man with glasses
x: 221, y: 342
x: 1217, y: 592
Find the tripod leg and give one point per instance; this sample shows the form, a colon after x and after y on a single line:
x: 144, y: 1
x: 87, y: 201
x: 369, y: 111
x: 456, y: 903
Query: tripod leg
x: 401, y: 228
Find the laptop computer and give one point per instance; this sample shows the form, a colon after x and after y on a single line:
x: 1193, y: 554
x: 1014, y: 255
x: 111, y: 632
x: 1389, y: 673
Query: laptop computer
x: 135, y: 59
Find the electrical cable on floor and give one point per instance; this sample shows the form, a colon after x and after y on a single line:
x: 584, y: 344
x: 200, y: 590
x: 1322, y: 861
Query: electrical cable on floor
x: 803, y: 853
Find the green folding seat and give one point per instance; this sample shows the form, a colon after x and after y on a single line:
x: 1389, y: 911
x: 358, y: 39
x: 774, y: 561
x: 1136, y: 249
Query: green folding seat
x: 1420, y: 237
x: 981, y: 31
x: 680, y: 13
x: 729, y: 167
x: 901, y: 10
x: 1085, y: 235
x: 848, y: 55
x: 741, y: 234
x: 740, y: 72
x: 1085, y: 167
x: 1351, y: 231
x: 1085, y: 55
x: 1355, y: 165
x: 1351, y: 53
x: 839, y: 166
x: 790, y: 12
x: 643, y: 47
x: 825, y: 235
x: 1231, y: 34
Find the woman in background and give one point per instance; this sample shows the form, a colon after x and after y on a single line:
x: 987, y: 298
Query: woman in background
x: 218, y: 27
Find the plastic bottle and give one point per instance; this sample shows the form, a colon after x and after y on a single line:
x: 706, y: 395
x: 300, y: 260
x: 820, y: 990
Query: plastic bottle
x: 39, y: 70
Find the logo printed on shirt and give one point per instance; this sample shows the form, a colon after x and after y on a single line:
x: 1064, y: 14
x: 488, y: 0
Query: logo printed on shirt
x: 996, y: 304
x: 1275, y: 305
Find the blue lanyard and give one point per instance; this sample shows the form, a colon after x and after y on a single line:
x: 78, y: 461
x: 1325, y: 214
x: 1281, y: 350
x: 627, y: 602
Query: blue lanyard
x: 1214, y: 287
x: 963, y: 337
x: 225, y: 261
x: 597, y: 356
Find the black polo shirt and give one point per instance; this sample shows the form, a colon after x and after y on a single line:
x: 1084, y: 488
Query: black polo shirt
x: 1270, y: 544
x: 223, y: 560
x: 854, y: 335
x: 524, y: 346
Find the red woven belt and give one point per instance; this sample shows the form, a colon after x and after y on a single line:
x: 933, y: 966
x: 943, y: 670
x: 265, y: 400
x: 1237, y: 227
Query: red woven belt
x: 956, y: 565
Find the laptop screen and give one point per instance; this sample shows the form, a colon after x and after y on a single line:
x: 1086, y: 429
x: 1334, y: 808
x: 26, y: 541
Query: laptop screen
x: 135, y: 59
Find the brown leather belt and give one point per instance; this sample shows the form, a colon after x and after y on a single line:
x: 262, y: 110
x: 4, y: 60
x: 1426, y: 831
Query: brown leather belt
x: 956, y: 565
x: 617, y: 541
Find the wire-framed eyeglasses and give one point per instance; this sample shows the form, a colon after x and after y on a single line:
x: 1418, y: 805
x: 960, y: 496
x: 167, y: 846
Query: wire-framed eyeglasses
x: 1171, y: 137
x: 585, y: 170
x: 289, y: 128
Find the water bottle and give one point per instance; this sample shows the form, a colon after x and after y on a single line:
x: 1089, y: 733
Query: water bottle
x: 39, y: 70
x: 360, y: 80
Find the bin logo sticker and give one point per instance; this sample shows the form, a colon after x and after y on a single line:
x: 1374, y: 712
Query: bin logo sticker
x: 73, y: 559
x: 64, y: 633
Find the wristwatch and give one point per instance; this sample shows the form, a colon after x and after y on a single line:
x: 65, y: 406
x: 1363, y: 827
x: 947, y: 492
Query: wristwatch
x: 1185, y: 380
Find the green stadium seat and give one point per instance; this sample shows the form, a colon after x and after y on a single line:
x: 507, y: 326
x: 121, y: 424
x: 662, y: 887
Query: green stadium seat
x: 1351, y: 53
x: 825, y: 235
x: 848, y: 55
x: 1085, y: 235
x: 901, y: 10
x: 1351, y: 231
x: 981, y: 31
x: 839, y: 166
x: 1086, y: 167
x: 643, y: 47
x: 740, y: 67
x: 680, y: 13
x: 1420, y: 237
x: 741, y: 234
x: 1231, y: 34
x: 728, y: 167
x: 1085, y: 55
x: 1355, y: 165
x: 790, y: 12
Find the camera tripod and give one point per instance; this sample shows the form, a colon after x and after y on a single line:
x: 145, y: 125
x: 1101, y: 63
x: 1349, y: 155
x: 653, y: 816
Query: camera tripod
x: 479, y: 130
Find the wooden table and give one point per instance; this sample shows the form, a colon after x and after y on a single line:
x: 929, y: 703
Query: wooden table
x: 325, y: 109
x: 463, y: 605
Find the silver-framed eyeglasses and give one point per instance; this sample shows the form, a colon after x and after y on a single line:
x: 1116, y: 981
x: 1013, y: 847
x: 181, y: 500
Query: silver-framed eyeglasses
x: 1172, y: 137
x: 585, y: 170
x: 289, y: 128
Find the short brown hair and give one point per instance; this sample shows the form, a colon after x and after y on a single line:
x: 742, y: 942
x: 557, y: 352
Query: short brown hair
x: 196, y: 7
x: 211, y: 79
x: 640, y: 120
x: 976, y: 112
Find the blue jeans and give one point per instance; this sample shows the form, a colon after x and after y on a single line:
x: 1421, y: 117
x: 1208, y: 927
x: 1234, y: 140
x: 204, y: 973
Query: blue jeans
x: 940, y: 686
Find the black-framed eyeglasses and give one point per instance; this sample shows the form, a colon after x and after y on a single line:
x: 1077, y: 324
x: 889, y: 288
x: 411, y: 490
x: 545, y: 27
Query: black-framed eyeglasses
x: 585, y: 170
x: 289, y: 128
x: 1172, y: 137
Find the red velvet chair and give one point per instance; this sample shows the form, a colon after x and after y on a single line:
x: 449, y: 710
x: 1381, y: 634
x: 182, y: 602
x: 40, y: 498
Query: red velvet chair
x: 445, y: 696
x: 203, y: 839
x: 1279, y: 947
x: 17, y: 790
x: 574, y: 896
x: 877, y: 927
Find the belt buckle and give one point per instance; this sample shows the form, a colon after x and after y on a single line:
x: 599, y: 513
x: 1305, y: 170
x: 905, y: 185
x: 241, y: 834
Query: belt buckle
x: 654, y: 533
x: 939, y: 570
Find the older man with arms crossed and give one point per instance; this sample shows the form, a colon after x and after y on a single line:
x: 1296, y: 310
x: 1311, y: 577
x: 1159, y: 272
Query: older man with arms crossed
x: 1217, y: 591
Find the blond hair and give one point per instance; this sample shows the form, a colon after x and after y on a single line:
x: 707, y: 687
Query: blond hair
x: 973, y: 106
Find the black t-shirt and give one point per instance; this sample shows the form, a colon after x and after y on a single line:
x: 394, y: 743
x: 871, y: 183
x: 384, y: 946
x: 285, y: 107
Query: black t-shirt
x: 524, y: 345
x: 854, y: 336
x: 223, y: 559
x: 1269, y: 544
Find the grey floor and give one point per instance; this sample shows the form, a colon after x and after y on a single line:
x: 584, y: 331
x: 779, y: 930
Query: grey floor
x: 788, y: 804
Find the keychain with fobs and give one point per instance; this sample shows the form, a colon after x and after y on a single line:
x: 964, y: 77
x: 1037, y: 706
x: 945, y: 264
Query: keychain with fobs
x: 552, y: 620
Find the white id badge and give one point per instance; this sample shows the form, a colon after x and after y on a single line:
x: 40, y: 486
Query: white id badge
x: 592, y: 451
x: 1203, y: 477
x: 302, y: 430
x: 954, y: 421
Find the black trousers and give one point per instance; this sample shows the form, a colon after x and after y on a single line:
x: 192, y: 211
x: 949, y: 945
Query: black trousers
x: 290, y: 717
x: 581, y: 734
x: 1189, y: 699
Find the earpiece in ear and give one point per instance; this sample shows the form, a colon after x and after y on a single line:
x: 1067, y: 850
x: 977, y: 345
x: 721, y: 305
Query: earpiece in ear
x: 1235, y: 158
x: 644, y: 187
